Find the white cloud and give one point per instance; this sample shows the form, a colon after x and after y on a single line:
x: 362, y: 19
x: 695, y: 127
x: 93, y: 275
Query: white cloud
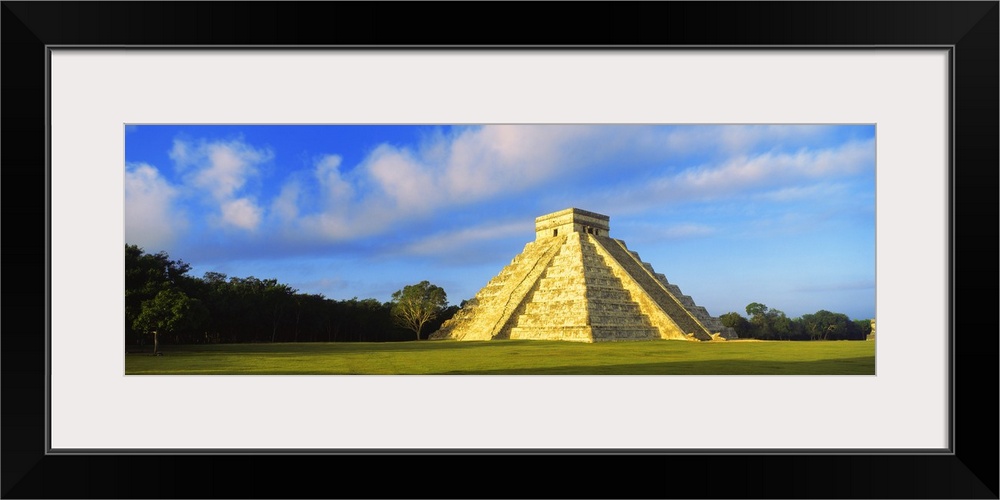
x: 689, y: 230
x: 407, y: 183
x: 337, y: 190
x: 221, y: 171
x: 472, y: 165
x: 242, y: 213
x: 736, y: 139
x: 769, y: 170
x: 458, y: 241
x: 837, y: 286
x: 227, y: 168
x: 333, y: 227
x: 393, y: 185
x: 645, y: 232
x: 151, y: 219
x: 509, y: 158
x: 767, y: 176
x: 812, y: 191
x: 179, y: 154
x: 501, y: 160
x: 285, y: 206
x: 396, y: 185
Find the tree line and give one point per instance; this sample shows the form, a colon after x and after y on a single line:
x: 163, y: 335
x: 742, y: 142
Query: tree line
x: 772, y: 324
x: 164, y: 303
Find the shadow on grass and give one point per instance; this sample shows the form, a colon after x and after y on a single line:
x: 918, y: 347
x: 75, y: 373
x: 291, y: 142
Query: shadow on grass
x: 845, y: 366
x: 498, y: 346
x: 311, y: 347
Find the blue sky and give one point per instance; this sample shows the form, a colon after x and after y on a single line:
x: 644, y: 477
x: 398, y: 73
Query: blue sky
x: 783, y: 215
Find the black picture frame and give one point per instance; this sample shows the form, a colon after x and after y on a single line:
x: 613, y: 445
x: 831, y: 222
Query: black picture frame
x: 970, y: 29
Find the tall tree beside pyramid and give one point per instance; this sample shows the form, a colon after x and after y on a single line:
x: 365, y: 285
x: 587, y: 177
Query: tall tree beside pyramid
x: 416, y: 305
x: 576, y: 283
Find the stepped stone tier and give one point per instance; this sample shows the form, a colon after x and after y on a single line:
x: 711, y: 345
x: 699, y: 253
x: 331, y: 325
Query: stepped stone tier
x: 576, y: 283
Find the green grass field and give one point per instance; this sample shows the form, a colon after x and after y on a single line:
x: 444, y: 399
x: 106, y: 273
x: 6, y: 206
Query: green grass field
x: 512, y: 357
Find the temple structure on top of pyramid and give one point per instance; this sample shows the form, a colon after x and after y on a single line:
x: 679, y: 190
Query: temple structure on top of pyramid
x: 576, y: 283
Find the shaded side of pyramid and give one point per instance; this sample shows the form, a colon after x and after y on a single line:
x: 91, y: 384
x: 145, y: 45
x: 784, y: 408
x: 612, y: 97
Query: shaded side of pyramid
x: 575, y: 283
x: 689, y: 316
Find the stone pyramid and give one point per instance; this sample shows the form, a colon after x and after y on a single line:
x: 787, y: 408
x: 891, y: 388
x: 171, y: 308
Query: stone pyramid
x: 576, y: 283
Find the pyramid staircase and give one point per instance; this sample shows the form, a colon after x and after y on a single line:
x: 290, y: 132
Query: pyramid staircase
x: 489, y: 314
x: 579, y: 298
x: 573, y: 283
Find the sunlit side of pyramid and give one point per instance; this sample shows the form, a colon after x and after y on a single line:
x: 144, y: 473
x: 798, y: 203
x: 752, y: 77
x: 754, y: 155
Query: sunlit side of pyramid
x: 576, y: 283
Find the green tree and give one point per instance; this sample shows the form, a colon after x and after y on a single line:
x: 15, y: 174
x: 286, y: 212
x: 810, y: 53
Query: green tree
x: 826, y: 325
x: 865, y: 325
x: 755, y: 309
x: 736, y: 322
x: 766, y: 323
x: 778, y: 324
x: 277, y: 297
x: 169, y: 312
x: 416, y: 305
x: 147, y: 275
x: 759, y: 320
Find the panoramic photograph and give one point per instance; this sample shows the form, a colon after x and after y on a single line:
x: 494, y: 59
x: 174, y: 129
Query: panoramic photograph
x: 542, y: 249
